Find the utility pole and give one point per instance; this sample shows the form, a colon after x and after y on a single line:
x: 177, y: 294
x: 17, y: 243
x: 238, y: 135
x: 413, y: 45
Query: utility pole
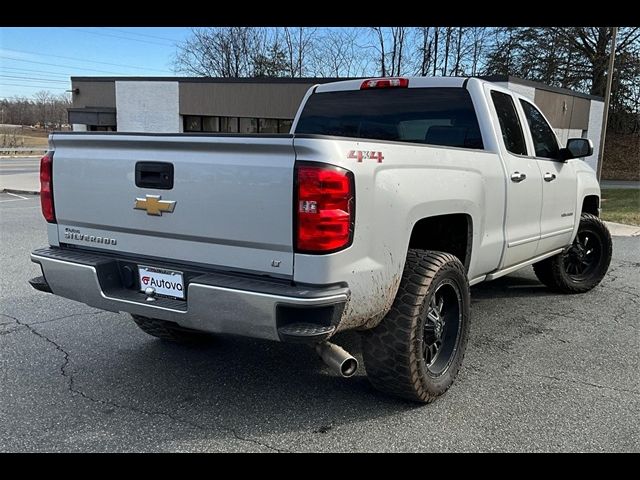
x: 607, y: 99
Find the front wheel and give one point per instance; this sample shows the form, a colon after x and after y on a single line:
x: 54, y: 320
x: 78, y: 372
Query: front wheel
x: 417, y: 349
x: 584, y: 264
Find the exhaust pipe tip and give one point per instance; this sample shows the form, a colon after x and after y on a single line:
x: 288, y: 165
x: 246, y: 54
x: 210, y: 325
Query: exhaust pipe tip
x: 349, y: 367
x: 338, y: 359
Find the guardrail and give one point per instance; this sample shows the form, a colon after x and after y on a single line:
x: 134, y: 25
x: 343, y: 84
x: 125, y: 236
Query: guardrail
x: 23, y: 149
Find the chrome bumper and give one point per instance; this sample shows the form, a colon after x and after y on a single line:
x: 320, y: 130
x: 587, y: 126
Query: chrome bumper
x: 218, y: 303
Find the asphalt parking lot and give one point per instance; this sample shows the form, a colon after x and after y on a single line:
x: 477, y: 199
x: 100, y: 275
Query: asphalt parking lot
x: 543, y: 372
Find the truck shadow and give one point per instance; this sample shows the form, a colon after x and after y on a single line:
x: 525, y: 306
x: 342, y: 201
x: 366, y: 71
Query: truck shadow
x: 250, y: 387
x: 511, y: 286
x: 243, y: 388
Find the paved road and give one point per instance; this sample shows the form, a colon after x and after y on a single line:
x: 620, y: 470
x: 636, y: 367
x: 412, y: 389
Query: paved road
x: 543, y: 372
x: 16, y: 165
x: 20, y: 173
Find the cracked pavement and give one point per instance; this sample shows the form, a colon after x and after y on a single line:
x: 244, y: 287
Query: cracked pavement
x: 543, y: 372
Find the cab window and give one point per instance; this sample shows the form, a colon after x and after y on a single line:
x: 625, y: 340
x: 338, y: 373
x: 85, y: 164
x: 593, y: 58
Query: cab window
x: 544, y: 140
x: 509, y: 123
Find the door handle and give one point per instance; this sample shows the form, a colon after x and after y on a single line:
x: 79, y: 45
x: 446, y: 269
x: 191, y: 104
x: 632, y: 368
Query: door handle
x: 154, y: 175
x: 549, y: 177
x: 518, y: 177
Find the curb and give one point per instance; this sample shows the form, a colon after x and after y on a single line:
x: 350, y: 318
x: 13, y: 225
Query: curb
x: 23, y: 192
x: 622, y: 229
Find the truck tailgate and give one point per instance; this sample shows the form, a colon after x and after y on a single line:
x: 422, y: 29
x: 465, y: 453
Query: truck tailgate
x: 233, y: 198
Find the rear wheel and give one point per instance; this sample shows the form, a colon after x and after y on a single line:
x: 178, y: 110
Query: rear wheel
x: 584, y: 264
x: 417, y: 349
x: 169, y: 330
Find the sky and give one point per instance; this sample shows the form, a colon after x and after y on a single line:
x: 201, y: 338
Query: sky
x: 38, y: 58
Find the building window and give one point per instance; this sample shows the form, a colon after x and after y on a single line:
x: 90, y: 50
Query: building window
x: 229, y: 124
x: 248, y: 125
x: 192, y: 124
x: 101, y: 128
x: 268, y: 125
x: 210, y: 124
x: 284, y: 126
x: 197, y: 123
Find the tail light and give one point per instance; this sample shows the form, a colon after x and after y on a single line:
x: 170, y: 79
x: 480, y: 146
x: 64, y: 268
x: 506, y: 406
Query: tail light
x: 325, y: 208
x: 46, y: 187
x: 392, y: 82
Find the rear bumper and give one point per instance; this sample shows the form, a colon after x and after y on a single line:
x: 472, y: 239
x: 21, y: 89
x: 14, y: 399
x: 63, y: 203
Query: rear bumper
x: 219, y: 303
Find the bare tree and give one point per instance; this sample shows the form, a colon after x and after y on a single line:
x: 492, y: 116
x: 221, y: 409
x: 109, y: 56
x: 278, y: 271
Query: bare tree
x: 399, y: 35
x: 478, y: 36
x: 389, y: 46
x: 246, y: 51
x: 381, y: 52
x: 457, y: 68
x: 594, y: 44
x: 60, y: 108
x: 218, y: 52
x: 447, y: 45
x: 573, y: 57
x: 449, y: 50
x: 425, y: 49
x: 337, y: 54
x: 435, y: 49
x: 43, y: 100
x: 298, y: 43
x: 44, y: 108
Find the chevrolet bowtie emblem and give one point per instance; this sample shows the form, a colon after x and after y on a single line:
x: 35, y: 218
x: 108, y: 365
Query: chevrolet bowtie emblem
x: 154, y: 206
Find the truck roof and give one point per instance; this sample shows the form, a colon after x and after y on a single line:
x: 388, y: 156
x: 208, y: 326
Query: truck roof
x: 414, y: 82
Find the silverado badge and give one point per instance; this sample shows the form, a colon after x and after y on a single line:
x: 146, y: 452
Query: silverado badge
x: 154, y: 206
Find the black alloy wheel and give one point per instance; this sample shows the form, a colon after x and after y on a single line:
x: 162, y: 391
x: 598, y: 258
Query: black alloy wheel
x: 583, y: 256
x: 441, y: 332
x: 583, y: 264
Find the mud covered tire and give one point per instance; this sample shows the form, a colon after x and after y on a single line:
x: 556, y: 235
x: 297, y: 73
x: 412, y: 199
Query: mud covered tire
x: 398, y: 353
x: 170, y: 331
x: 584, y: 264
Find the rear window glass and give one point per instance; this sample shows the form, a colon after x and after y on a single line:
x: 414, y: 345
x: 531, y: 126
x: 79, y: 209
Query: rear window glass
x: 435, y: 116
x: 509, y: 123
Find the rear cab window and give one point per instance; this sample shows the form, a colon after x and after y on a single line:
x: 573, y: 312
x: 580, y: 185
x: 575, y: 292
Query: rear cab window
x: 431, y: 115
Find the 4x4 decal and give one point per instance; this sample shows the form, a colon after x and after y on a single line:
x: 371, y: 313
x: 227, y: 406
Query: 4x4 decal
x: 360, y: 155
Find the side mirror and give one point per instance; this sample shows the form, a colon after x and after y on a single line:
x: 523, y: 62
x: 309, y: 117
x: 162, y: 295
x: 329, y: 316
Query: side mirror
x: 577, y: 148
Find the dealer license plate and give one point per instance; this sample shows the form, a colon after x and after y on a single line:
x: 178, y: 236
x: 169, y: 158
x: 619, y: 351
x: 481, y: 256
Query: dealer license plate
x: 168, y: 283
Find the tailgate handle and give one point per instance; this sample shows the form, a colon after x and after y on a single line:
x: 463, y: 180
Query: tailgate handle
x: 154, y: 175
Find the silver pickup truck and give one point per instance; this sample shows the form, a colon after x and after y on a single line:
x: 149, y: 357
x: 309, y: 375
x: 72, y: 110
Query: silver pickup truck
x: 387, y: 200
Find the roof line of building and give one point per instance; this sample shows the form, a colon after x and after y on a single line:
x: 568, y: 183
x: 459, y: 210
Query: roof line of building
x: 312, y: 80
x: 539, y: 86
x: 211, y: 79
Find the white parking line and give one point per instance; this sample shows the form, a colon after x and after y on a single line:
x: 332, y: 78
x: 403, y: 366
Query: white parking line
x: 16, y: 195
x: 19, y: 199
x: 22, y: 208
x: 19, y: 208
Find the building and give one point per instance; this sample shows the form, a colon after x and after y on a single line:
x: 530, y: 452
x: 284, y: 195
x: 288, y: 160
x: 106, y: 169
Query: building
x: 268, y: 105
